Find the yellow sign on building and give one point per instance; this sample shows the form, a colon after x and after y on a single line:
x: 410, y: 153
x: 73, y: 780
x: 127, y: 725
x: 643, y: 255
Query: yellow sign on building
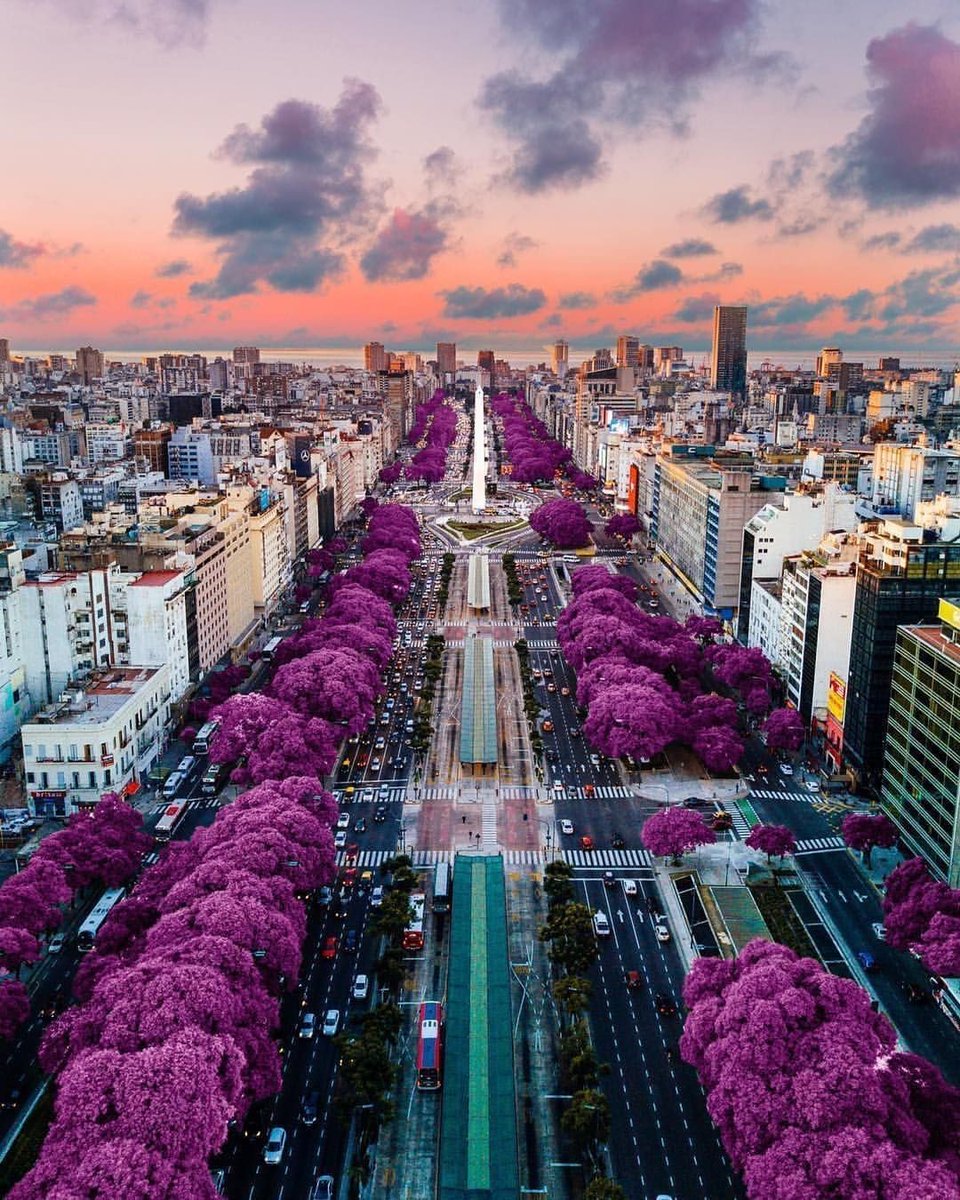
x: 950, y: 613
x: 836, y: 697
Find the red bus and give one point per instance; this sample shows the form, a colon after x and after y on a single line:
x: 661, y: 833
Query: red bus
x: 413, y: 934
x: 430, y: 1047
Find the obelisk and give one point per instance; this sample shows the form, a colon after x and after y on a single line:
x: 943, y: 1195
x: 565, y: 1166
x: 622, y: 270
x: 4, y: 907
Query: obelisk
x: 479, y: 500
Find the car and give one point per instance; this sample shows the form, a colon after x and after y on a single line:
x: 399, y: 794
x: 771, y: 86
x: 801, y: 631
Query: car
x: 324, y: 896
x: 601, y: 925
x: 721, y: 820
x: 547, y: 727
x: 331, y: 1022
x: 276, y: 1144
x: 350, y: 940
x: 551, y: 687
x: 589, y: 791
x: 57, y: 943
x: 340, y: 840
x: 379, y: 743
x: 866, y: 960
x: 786, y: 769
x: 350, y: 851
x: 361, y: 825
x: 812, y: 785
x: 617, y: 842
x: 380, y: 813
x: 564, y: 691
x: 323, y: 1189
x: 348, y: 878
x: 343, y: 821
x: 609, y: 879
x: 586, y: 842
x: 595, y: 759
x: 697, y: 802
x: 662, y: 930
x: 633, y: 980
x: 878, y: 931
x: 916, y: 994
x: 366, y: 879
x: 329, y: 947
x: 666, y: 1005
x: 308, y: 1025
x: 566, y: 825
x: 629, y: 887
x: 361, y: 987
x: 309, y: 1107
x: 376, y: 764
x: 346, y: 761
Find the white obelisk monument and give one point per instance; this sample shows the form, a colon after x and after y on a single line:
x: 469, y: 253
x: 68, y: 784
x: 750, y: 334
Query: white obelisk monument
x: 479, y: 500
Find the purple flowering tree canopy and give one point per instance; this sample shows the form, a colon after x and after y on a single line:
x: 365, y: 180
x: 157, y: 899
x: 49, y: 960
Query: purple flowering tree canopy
x: 673, y: 831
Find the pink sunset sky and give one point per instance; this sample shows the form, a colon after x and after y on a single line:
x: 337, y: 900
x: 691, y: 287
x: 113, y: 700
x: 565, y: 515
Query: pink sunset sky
x: 202, y: 173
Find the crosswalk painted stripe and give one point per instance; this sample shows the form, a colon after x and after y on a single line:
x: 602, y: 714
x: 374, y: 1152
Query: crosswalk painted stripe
x: 809, y: 845
x: 600, y: 859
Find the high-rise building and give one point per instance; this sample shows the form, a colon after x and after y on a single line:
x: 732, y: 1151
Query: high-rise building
x: 828, y: 362
x: 921, y: 766
x: 4, y: 350
x: 374, y: 357
x: 901, y: 579
x: 628, y: 351
x: 560, y: 359
x: 905, y: 476
x: 246, y: 354
x: 486, y: 360
x: 728, y: 367
x: 446, y: 359
x: 89, y: 364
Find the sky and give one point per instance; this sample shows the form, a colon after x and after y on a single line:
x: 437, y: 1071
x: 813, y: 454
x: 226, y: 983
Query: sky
x: 184, y: 174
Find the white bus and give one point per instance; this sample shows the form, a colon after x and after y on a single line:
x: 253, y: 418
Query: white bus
x: 170, y: 818
x: 205, y: 735
x: 270, y: 649
x: 88, y: 931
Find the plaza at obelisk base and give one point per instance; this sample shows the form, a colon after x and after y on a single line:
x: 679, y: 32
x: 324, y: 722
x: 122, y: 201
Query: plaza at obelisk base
x: 479, y: 501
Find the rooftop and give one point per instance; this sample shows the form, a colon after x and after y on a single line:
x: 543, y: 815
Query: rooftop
x: 102, y: 697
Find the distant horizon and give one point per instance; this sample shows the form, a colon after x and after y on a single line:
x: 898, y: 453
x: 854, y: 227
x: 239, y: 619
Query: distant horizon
x: 352, y: 356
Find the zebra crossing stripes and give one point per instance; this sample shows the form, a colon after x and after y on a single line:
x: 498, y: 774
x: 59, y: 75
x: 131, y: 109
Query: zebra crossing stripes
x: 518, y: 793
x: 599, y: 793
x: 438, y: 793
x: 813, y: 845
x: 767, y: 794
x: 741, y: 826
x: 542, y: 645
x: 605, y: 859
x: 393, y: 794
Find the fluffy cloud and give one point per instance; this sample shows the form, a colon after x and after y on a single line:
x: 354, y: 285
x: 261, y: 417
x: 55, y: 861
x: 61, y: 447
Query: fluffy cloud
x: 484, y: 304
x: 513, y: 245
x: 441, y: 168
x: 651, y: 277
x: 17, y: 255
x: 573, y: 300
x: 694, y: 310
x: 173, y: 269
x: 52, y: 304
x: 406, y: 246
x: 169, y: 22
x: 935, y: 239
x: 906, y: 151
x: 620, y: 61
x: 735, y: 205
x: 307, y: 195
x: 689, y: 248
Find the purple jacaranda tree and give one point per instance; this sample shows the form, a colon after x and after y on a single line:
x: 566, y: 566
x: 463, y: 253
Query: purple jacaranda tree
x: 783, y: 730
x: 613, y: 671
x: 368, y: 506
x: 673, y: 831
x: 772, y: 840
x: 639, y: 721
x: 939, y: 945
x: 703, y: 628
x: 17, y: 946
x: 14, y: 1005
x: 243, y: 719
x: 384, y: 572
x: 624, y: 525
x: 596, y: 577
x: 28, y: 902
x: 906, y: 923
x: 390, y: 475
x: 352, y: 605
x: 743, y: 670
x: 902, y: 880
x: 864, y: 831
x: 562, y: 522
x: 599, y: 637
x: 340, y: 686
x: 718, y: 747
x: 298, y: 745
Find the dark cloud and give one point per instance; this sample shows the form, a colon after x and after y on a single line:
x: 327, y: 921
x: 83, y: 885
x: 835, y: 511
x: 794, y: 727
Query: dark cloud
x: 515, y: 244
x: 621, y: 62
x: 573, y: 300
x: 727, y: 270
x: 169, y: 22
x: 554, y: 321
x: 883, y: 241
x: 441, y: 168
x: 173, y: 269
x: 484, y: 304
x: 140, y: 299
x: 405, y: 247
x: 906, y: 151
x: 652, y: 277
x: 921, y: 294
x: 935, y: 239
x: 697, y: 309
x: 52, y: 304
x: 17, y: 255
x: 306, y: 197
x: 689, y: 248
x: 735, y: 205
x: 789, y: 310
x: 800, y: 227
x: 858, y: 305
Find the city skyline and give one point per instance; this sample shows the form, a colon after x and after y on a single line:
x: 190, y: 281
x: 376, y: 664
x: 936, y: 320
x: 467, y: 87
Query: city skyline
x: 194, y: 203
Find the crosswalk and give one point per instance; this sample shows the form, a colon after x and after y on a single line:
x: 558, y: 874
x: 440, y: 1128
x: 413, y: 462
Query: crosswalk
x: 390, y: 794
x: 542, y: 645
x: 813, y: 845
x: 599, y: 793
x: 438, y: 793
x: 741, y: 826
x: 605, y: 859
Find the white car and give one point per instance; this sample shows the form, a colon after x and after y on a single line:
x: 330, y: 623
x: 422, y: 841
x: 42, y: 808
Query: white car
x: 308, y: 1025
x: 331, y: 1022
x: 812, y: 785
x: 629, y: 887
x: 786, y: 769
x: 566, y: 826
x: 343, y: 821
x: 340, y: 841
x: 361, y: 987
x: 662, y: 931
x: 878, y: 931
x: 276, y: 1144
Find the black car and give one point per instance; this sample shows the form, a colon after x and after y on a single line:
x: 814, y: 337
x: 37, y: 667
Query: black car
x: 916, y: 994
x: 617, y: 842
x: 380, y: 814
x: 666, y: 1006
x: 360, y: 825
x: 609, y: 879
x: 350, y: 940
x: 309, y: 1108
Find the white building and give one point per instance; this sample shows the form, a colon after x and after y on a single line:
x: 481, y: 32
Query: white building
x: 905, y: 476
x: 104, y: 738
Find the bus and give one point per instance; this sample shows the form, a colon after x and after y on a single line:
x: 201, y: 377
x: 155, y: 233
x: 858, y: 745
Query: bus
x: 170, y: 818
x: 270, y: 649
x: 205, y: 735
x: 442, y: 887
x: 413, y: 934
x: 88, y: 931
x: 430, y: 1046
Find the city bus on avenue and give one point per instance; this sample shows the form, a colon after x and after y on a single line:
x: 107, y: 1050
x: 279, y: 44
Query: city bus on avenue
x: 413, y: 934
x: 86, y: 934
x: 430, y: 1046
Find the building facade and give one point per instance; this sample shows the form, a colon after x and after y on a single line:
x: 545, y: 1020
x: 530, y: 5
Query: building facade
x: 728, y: 363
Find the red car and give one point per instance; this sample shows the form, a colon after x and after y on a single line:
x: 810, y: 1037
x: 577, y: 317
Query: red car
x: 329, y: 948
x: 586, y: 842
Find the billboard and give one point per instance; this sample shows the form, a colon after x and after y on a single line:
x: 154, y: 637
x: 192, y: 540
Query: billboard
x: 301, y: 457
x: 836, y: 697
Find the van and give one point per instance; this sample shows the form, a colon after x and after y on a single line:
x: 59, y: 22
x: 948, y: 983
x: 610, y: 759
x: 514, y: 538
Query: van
x: 601, y: 926
x: 172, y: 785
